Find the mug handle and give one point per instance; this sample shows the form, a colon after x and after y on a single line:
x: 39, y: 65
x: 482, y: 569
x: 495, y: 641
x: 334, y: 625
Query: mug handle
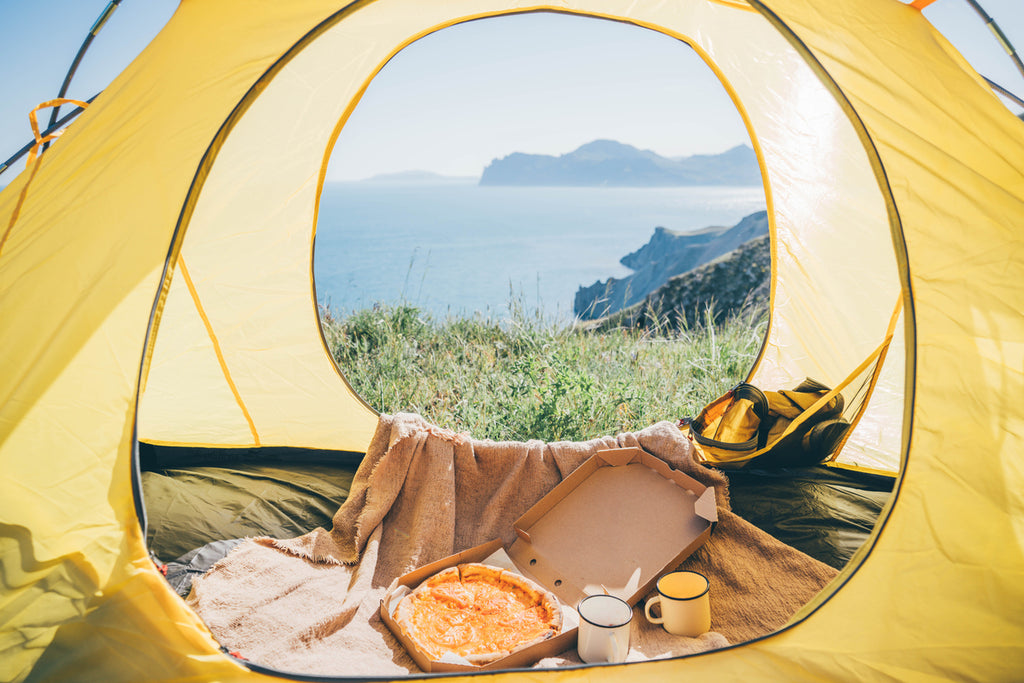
x: 647, y: 611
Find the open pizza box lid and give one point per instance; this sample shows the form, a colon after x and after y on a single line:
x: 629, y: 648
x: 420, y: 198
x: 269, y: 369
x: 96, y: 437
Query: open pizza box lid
x: 614, y: 525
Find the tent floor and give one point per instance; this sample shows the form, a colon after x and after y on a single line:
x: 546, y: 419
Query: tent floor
x: 824, y: 512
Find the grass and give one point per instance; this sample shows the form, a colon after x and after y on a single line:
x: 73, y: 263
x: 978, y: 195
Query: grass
x: 528, y: 378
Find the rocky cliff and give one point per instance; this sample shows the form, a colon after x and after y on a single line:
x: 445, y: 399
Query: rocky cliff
x: 666, y: 255
x: 740, y: 279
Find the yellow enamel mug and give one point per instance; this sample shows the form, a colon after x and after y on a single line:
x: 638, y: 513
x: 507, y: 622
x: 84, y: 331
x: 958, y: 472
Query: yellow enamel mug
x: 684, y: 604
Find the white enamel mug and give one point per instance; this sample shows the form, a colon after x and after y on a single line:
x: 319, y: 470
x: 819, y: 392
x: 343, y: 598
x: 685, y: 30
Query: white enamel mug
x: 604, y: 629
x: 684, y: 602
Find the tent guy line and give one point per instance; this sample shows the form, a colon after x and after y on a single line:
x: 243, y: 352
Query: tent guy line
x: 53, y: 128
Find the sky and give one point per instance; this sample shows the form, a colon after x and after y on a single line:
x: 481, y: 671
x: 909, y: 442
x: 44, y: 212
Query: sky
x: 550, y: 84
x: 542, y: 84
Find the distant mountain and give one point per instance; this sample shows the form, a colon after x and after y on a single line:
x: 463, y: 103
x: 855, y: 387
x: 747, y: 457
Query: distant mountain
x: 417, y: 177
x: 614, y: 164
x: 665, y: 256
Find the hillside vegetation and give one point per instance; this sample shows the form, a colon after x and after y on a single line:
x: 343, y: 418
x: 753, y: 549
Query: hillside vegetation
x: 527, y: 378
x: 666, y: 255
x: 739, y: 280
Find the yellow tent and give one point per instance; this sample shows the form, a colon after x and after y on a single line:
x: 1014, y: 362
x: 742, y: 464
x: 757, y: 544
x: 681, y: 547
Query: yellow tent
x: 894, y: 183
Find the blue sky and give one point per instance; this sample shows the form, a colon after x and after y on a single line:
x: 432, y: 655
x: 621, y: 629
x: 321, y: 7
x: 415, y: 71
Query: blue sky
x: 538, y: 83
x: 550, y: 84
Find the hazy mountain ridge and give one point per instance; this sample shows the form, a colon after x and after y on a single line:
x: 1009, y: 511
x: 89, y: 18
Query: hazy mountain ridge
x: 614, y: 164
x: 416, y: 176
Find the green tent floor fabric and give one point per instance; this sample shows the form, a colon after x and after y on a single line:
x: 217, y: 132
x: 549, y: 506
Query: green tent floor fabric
x: 310, y: 605
x: 190, y: 507
x: 825, y: 512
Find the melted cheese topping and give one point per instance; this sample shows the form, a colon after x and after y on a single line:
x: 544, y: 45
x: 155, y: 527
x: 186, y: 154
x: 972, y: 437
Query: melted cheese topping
x: 477, y: 617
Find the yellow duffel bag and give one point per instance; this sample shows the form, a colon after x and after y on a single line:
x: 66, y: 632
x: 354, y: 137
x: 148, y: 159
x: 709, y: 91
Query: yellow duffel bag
x: 786, y: 428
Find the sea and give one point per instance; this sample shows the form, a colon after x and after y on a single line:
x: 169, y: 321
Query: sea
x: 454, y: 248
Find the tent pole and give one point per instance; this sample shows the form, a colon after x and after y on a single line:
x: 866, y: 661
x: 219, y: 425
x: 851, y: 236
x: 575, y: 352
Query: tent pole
x: 1004, y: 92
x: 97, y: 26
x: 1000, y: 36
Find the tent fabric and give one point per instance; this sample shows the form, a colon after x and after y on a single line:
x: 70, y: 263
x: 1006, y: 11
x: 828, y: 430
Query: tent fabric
x: 219, y: 384
x: 889, y: 166
x: 190, y: 507
x: 827, y: 513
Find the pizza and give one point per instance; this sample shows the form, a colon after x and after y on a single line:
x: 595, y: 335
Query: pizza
x: 479, y: 612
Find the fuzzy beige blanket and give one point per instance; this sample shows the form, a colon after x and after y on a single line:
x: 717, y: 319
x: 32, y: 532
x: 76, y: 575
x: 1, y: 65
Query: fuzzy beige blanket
x: 311, y: 604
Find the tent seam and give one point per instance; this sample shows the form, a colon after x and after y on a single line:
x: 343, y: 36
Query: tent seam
x: 216, y: 348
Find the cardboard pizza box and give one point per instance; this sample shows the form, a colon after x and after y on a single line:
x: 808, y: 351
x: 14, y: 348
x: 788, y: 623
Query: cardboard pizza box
x: 614, y: 525
x: 485, y: 553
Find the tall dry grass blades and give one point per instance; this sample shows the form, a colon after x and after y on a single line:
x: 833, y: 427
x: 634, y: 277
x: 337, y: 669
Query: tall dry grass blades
x: 526, y: 377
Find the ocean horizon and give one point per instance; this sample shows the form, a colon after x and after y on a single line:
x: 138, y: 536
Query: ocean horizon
x: 455, y: 248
